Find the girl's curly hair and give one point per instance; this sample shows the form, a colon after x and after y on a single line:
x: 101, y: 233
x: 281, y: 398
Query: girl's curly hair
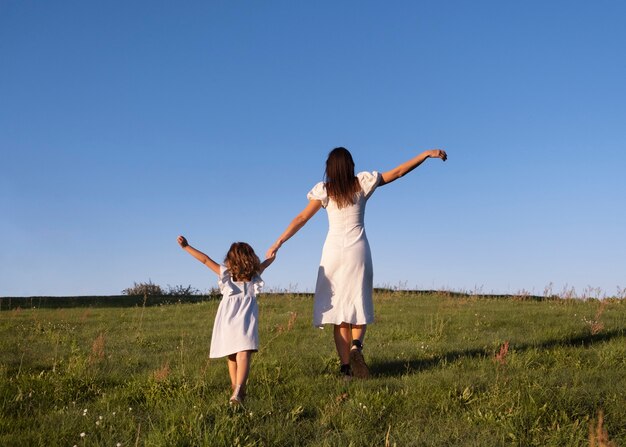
x: 242, y: 261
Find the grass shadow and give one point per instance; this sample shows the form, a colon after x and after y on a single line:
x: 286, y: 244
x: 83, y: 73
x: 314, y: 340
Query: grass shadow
x: 402, y: 367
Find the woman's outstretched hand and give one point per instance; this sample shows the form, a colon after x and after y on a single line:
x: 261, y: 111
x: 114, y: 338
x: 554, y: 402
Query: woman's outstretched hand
x: 438, y: 153
x: 406, y: 167
x: 271, y: 252
x: 182, y: 241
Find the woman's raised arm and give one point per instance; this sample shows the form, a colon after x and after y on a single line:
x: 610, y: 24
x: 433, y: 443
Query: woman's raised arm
x: 408, y: 166
x: 295, y: 225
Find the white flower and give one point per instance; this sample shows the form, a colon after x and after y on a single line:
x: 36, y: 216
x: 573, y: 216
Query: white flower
x: 97, y: 422
x: 100, y: 417
x: 119, y: 444
x: 83, y: 434
x: 114, y: 413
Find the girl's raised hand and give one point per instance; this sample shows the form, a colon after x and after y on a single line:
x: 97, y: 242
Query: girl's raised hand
x: 268, y: 261
x: 438, y: 153
x: 182, y: 241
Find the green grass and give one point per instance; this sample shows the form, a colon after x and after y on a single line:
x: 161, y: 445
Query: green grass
x: 140, y: 375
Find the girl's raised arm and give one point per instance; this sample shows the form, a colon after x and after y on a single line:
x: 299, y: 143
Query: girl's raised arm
x: 210, y: 263
x: 298, y: 222
x: 408, y: 166
x: 265, y: 264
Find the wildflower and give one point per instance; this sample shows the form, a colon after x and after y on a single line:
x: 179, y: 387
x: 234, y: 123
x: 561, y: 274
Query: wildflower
x: 100, y: 417
x: 97, y: 422
x: 83, y: 434
x: 119, y: 444
x: 500, y: 357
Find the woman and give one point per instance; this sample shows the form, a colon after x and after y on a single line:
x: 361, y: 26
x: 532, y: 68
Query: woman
x: 343, y: 293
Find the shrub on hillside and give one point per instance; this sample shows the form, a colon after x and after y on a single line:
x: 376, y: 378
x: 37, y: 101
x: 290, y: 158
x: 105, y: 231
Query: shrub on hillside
x: 144, y: 289
x: 181, y: 291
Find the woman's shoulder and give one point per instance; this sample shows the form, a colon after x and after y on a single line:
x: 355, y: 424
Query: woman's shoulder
x: 318, y: 192
x: 369, y: 181
x: 367, y: 175
x: 320, y: 187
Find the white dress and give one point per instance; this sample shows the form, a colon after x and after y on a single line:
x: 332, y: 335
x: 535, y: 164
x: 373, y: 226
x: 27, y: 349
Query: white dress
x: 343, y: 292
x: 236, y: 323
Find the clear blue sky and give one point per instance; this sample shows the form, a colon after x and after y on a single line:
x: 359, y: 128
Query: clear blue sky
x: 124, y: 124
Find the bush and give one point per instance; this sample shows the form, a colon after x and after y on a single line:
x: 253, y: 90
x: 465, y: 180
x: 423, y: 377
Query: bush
x: 144, y: 289
x: 182, y: 291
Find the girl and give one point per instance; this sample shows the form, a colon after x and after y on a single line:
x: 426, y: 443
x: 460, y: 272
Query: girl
x: 235, y: 331
x: 343, y: 293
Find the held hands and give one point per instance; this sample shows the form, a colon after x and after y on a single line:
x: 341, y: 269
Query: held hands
x: 269, y: 259
x: 182, y: 241
x: 271, y: 252
x: 438, y: 153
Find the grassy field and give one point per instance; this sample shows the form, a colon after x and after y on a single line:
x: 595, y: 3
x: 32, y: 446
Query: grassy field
x: 447, y: 370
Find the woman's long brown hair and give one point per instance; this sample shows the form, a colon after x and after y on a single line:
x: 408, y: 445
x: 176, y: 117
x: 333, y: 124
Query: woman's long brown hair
x: 242, y: 261
x: 340, y: 182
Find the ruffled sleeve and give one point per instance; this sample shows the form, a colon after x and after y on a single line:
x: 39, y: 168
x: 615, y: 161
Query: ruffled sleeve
x: 369, y: 181
x: 257, y: 284
x: 319, y: 193
x: 224, y: 282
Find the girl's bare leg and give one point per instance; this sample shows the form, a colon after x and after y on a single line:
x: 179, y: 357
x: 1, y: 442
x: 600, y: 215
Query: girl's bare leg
x: 232, y: 370
x: 343, y: 339
x: 243, y: 367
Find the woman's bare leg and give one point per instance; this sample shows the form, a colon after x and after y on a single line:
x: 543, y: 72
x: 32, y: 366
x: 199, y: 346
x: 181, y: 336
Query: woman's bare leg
x: 357, y: 362
x: 358, y: 332
x: 343, y: 339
